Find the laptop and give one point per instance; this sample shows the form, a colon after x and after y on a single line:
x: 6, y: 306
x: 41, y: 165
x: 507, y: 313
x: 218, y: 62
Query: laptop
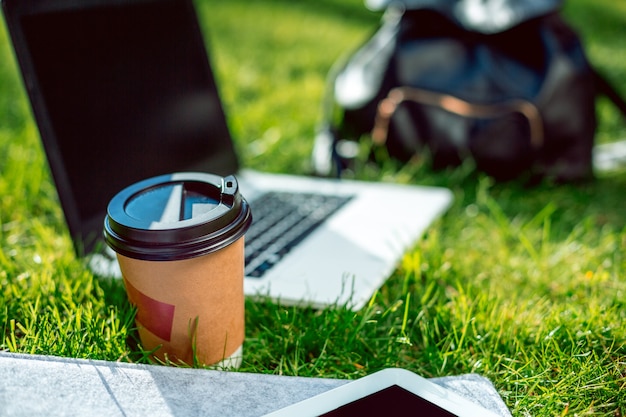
x: 123, y: 90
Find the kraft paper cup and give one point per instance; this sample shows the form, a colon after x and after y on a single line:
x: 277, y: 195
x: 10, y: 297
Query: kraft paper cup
x: 179, y: 241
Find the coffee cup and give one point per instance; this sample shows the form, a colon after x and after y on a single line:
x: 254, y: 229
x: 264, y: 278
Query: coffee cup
x: 179, y: 241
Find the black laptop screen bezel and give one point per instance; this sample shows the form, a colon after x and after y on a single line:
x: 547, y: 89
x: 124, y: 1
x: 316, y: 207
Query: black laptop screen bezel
x: 210, y: 147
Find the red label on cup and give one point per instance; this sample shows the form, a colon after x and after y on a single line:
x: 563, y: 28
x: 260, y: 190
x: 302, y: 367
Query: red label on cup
x: 154, y: 315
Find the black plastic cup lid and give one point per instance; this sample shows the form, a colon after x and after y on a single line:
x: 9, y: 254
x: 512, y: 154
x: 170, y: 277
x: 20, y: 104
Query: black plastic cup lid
x: 177, y: 216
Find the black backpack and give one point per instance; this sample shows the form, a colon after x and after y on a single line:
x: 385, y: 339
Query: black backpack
x: 504, y: 82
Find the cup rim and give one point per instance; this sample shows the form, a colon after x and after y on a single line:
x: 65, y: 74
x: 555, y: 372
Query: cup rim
x: 144, y: 239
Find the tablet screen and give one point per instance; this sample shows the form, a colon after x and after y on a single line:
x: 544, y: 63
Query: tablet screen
x: 391, y: 401
x: 387, y: 393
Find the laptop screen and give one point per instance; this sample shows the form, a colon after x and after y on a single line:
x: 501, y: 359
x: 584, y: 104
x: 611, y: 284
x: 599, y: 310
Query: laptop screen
x: 121, y: 91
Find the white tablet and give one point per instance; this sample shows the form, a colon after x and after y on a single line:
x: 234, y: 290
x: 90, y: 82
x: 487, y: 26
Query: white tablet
x: 382, y: 394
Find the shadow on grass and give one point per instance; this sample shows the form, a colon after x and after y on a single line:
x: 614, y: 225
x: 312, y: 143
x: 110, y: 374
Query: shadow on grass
x: 600, y: 201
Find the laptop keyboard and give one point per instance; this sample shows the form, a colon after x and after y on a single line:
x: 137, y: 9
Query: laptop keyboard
x: 280, y: 220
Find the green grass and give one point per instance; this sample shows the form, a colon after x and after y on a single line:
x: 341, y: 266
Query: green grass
x: 523, y: 286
